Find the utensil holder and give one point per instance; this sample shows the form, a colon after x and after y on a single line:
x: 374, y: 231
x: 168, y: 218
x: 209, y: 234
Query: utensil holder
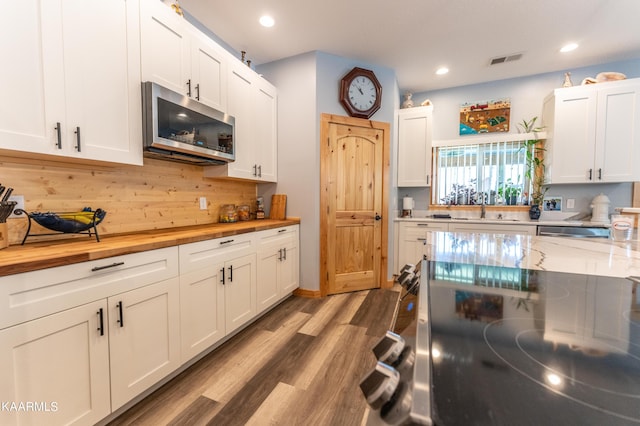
x: 4, y: 235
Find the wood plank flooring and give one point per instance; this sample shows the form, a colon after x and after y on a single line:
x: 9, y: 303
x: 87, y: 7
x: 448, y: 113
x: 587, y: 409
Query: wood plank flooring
x: 298, y: 365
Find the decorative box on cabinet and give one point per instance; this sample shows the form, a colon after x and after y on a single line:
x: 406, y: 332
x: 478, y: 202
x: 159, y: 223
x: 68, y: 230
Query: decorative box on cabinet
x: 278, y: 266
x: 179, y: 57
x: 62, y: 338
x: 252, y: 101
x: 593, y: 133
x: 74, y: 80
x: 414, y: 146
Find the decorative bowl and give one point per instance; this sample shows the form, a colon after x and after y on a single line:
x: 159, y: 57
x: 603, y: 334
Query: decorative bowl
x: 69, y: 222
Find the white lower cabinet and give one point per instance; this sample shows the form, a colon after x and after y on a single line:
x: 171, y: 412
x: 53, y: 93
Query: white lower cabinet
x: 77, y: 342
x: 217, y: 290
x: 66, y: 347
x: 413, y: 237
x: 61, y: 363
x: 144, y: 338
x: 278, y: 265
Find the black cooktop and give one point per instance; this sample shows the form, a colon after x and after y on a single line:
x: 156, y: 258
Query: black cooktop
x: 522, y: 347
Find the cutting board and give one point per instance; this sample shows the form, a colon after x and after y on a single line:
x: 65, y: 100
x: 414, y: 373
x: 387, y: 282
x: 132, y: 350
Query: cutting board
x: 278, y: 207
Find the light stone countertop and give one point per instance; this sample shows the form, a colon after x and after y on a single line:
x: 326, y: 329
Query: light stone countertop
x: 600, y: 256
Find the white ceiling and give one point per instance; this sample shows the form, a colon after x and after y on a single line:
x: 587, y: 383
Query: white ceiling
x: 415, y: 37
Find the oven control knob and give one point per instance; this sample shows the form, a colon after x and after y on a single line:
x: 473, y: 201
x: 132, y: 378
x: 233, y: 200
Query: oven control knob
x: 380, y: 384
x: 389, y: 348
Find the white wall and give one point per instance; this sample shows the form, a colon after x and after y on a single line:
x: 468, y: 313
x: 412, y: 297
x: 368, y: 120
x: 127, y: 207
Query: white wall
x: 526, y: 94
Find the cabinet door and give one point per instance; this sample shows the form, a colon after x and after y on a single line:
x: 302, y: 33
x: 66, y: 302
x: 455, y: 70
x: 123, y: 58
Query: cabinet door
x: 414, y: 147
x: 267, y: 290
x: 413, y: 238
x: 165, y: 46
x: 144, y: 338
x: 27, y: 116
x: 618, y: 136
x: 201, y: 310
x: 265, y: 131
x: 240, y: 291
x: 102, y: 80
x: 289, y: 273
x: 60, y: 361
x: 208, y: 72
x: 574, y: 136
x: 241, y: 108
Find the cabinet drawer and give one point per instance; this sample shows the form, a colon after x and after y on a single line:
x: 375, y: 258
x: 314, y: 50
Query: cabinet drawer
x: 194, y: 256
x: 31, y: 295
x: 278, y: 237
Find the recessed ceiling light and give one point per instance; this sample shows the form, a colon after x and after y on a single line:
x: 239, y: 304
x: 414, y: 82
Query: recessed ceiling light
x: 569, y: 47
x: 442, y: 71
x: 267, y: 21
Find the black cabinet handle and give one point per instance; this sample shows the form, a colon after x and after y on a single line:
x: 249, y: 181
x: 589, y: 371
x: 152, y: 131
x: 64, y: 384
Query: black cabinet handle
x: 280, y: 254
x: 599, y: 174
x: 100, y: 268
x: 222, y: 273
x: 121, y: 320
x: 231, y: 273
x: 101, y: 322
x: 189, y: 88
x: 58, y: 130
x: 260, y: 171
x: 197, y: 92
x: 77, y: 132
x: 590, y: 174
x: 255, y: 170
x: 282, y: 230
x: 284, y: 250
x: 226, y: 242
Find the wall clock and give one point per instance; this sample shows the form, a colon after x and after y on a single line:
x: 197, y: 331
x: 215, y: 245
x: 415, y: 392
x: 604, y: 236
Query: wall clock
x: 360, y: 93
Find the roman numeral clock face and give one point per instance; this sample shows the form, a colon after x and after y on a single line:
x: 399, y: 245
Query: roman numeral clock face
x: 360, y: 93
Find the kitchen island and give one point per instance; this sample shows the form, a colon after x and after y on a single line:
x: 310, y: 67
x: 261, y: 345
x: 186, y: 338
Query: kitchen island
x: 506, y: 329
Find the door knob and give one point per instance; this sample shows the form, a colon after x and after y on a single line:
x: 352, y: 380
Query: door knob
x: 377, y: 217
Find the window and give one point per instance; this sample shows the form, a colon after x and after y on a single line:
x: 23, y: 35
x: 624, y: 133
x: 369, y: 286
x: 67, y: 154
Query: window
x: 493, y: 173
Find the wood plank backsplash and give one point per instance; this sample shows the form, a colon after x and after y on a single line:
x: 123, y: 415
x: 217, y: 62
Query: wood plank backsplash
x: 158, y: 195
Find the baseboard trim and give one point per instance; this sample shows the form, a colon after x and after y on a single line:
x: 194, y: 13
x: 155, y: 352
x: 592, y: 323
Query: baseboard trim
x: 303, y: 292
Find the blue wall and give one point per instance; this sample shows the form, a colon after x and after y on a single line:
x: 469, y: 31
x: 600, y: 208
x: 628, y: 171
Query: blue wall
x: 526, y: 94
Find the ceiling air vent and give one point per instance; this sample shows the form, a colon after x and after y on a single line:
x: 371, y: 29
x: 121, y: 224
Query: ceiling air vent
x: 503, y: 59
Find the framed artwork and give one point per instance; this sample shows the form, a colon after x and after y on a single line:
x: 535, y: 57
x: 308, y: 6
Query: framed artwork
x: 552, y: 204
x: 485, y: 116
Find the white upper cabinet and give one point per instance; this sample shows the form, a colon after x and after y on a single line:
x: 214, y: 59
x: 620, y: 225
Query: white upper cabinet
x: 74, y: 79
x: 179, y: 57
x: 414, y: 146
x: 252, y: 101
x: 592, y: 133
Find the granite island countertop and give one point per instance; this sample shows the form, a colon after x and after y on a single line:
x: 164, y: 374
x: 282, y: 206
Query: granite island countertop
x: 600, y: 256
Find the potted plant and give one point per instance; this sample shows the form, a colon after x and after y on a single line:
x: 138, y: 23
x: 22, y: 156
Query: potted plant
x: 534, y: 165
x: 510, y: 191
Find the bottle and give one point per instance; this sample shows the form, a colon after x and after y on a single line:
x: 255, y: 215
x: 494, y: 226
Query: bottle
x: 260, y: 208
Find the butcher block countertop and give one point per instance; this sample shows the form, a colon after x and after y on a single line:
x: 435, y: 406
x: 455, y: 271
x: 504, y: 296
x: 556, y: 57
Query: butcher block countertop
x: 30, y: 257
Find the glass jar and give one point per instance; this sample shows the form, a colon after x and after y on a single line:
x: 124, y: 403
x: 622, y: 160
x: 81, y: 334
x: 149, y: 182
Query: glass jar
x: 228, y: 213
x: 243, y: 212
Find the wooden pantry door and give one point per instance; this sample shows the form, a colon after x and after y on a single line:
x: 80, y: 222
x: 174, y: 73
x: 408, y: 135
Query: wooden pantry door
x: 354, y: 168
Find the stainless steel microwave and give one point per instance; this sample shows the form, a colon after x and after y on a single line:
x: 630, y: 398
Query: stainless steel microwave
x: 178, y: 128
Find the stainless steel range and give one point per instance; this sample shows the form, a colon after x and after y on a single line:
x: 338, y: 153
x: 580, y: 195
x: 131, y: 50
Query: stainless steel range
x: 491, y: 345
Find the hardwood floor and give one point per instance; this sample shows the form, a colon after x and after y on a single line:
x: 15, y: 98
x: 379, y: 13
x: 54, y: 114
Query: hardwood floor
x: 298, y: 365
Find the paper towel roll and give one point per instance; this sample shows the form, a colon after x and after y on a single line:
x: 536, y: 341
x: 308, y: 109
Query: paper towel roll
x: 407, y: 203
